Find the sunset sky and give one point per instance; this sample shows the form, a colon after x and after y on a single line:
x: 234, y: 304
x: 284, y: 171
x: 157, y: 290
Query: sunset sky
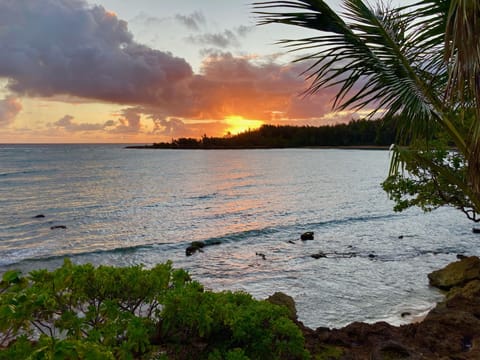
x: 145, y: 71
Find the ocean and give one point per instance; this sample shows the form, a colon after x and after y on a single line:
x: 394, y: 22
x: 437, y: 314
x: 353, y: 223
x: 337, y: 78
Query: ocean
x: 105, y: 204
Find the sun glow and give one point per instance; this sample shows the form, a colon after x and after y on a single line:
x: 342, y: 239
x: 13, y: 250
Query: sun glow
x: 237, y: 124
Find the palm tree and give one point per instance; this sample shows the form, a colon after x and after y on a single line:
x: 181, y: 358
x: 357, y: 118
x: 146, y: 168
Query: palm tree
x: 419, y: 63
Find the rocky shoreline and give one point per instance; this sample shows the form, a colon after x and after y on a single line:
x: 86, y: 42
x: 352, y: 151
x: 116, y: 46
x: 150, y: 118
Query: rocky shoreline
x: 450, y: 331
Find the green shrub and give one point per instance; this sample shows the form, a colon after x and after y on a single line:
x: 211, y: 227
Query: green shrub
x: 83, y: 312
x: 226, y: 322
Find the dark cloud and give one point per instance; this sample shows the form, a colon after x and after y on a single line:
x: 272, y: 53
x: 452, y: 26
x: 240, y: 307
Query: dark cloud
x: 9, y: 109
x: 192, y: 21
x: 68, y: 124
x: 55, y: 47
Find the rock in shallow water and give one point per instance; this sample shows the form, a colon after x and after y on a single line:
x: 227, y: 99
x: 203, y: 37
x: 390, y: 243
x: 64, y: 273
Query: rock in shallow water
x: 57, y: 227
x: 307, y: 235
x: 456, y: 274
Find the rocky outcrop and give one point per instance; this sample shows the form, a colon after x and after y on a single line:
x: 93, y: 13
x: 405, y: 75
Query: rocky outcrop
x: 280, y: 298
x: 450, y: 331
x: 456, y: 274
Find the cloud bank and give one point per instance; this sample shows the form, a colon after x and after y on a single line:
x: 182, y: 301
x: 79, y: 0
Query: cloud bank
x: 70, y: 48
x: 56, y: 47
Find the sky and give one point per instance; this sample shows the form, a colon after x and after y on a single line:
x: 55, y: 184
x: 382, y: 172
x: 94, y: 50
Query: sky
x: 144, y: 71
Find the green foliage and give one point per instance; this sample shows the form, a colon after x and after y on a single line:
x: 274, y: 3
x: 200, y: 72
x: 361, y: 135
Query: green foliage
x: 432, y: 176
x: 227, y: 322
x: 83, y: 312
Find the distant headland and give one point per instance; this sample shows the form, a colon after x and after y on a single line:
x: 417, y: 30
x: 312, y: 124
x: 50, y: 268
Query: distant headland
x: 360, y: 134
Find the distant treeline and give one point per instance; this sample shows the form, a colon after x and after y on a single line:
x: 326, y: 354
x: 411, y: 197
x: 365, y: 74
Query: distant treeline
x: 355, y: 133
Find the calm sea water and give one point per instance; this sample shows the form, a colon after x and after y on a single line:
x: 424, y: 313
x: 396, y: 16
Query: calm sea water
x: 124, y: 207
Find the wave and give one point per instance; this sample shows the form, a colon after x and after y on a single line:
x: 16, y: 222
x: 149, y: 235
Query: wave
x: 13, y: 173
x: 204, y: 197
x: 73, y: 255
x: 353, y: 219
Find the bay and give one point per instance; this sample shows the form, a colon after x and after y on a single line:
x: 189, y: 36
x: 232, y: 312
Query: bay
x: 123, y: 207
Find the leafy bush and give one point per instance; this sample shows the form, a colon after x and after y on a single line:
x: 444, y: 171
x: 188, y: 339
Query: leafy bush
x: 83, y: 312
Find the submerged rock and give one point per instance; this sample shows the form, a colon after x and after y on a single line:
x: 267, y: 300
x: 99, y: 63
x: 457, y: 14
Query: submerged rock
x: 57, y: 227
x: 194, y: 247
x: 261, y: 255
x: 456, y: 274
x: 319, y: 255
x: 307, y: 235
x: 199, y: 245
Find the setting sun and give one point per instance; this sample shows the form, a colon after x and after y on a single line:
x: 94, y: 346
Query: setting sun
x: 237, y: 124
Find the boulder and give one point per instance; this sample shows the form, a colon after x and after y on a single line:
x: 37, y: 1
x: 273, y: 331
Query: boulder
x: 194, y: 247
x: 282, y: 299
x: 307, y: 235
x: 456, y: 274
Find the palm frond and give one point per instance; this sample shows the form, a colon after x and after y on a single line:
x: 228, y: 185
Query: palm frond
x: 371, y: 59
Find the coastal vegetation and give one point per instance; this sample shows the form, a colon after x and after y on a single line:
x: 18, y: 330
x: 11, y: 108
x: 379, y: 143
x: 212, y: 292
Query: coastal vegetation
x: 420, y: 63
x: 83, y: 312
x: 356, y: 133
x: 87, y: 312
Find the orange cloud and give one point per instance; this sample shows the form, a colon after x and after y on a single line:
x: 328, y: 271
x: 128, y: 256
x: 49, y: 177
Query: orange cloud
x: 99, y: 60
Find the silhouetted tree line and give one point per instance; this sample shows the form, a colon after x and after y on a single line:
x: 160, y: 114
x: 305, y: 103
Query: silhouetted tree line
x: 356, y: 133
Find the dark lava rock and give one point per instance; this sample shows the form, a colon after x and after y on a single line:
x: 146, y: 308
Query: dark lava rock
x: 194, y: 247
x: 319, y: 255
x: 261, y: 255
x: 282, y: 299
x: 58, y: 227
x: 190, y: 250
x: 39, y: 216
x: 198, y: 244
x: 456, y: 274
x: 307, y: 235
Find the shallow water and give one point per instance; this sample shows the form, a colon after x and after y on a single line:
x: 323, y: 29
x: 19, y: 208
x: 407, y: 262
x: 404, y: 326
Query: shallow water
x: 125, y: 207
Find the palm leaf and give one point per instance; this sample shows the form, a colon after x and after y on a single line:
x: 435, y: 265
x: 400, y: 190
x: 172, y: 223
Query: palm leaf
x: 371, y: 59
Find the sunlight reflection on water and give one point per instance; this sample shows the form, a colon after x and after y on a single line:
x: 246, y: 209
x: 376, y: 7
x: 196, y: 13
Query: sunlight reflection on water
x: 126, y: 207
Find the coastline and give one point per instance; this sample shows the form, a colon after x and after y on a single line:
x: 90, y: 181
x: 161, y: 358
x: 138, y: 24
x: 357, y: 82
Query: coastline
x: 451, y: 330
x: 353, y: 147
